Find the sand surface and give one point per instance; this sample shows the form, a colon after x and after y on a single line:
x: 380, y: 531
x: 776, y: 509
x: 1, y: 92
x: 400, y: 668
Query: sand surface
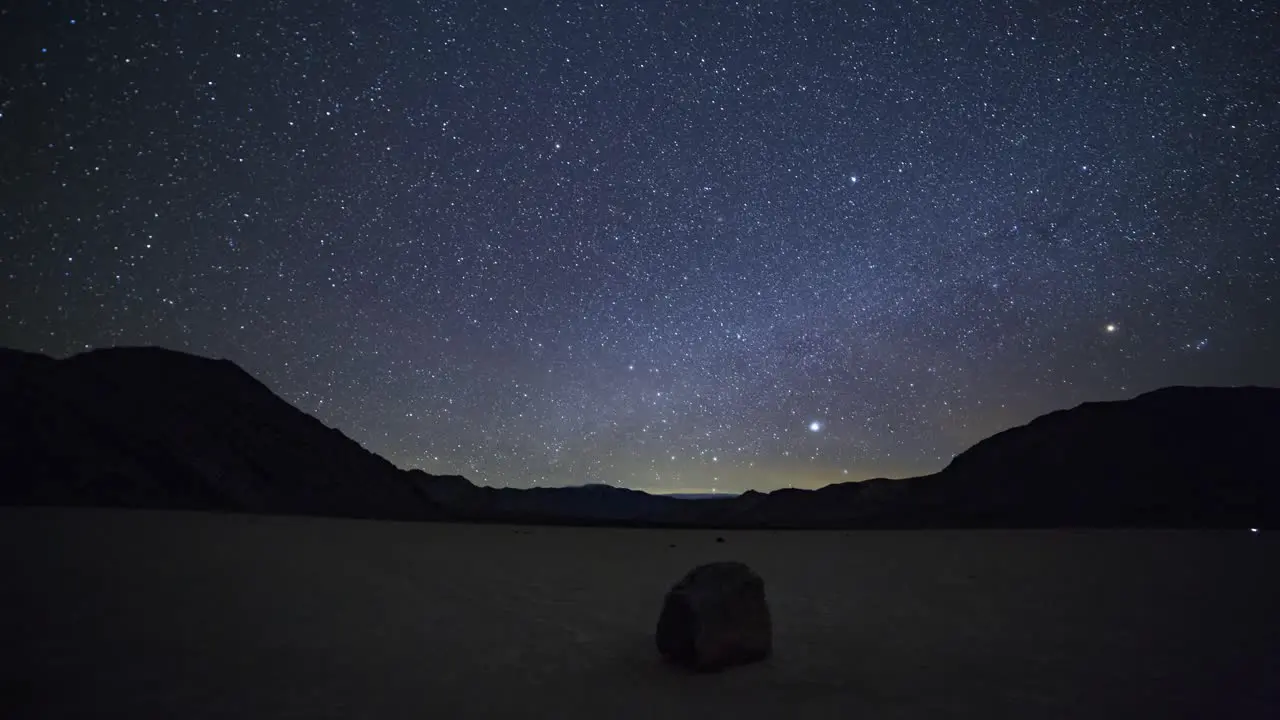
x: 189, y: 615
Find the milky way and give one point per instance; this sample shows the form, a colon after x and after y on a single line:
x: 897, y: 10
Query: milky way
x: 664, y: 247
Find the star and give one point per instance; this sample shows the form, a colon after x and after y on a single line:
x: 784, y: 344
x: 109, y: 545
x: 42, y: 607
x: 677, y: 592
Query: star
x: 537, y: 261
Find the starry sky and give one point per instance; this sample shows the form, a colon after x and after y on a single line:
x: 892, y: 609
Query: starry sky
x: 668, y: 246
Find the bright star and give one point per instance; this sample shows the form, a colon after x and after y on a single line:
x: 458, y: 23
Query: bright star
x: 1111, y: 327
x: 815, y: 426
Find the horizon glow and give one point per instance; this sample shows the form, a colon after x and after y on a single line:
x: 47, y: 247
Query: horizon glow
x: 653, y: 246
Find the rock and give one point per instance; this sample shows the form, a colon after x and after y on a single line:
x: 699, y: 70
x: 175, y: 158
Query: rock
x: 714, y: 618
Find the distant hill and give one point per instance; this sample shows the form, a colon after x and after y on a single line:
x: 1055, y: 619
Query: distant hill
x: 1174, y: 457
x: 146, y: 427
x: 701, y: 496
x: 153, y: 428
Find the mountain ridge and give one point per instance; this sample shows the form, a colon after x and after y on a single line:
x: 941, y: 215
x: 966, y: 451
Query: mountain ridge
x: 147, y: 427
x: 150, y: 427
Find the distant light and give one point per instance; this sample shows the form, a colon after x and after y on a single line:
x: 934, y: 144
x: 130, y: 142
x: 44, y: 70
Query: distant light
x: 1111, y: 327
x: 853, y: 178
x: 1253, y: 529
x: 815, y: 426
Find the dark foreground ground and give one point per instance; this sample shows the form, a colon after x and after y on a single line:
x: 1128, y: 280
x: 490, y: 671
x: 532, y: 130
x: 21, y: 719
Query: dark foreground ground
x: 110, y: 613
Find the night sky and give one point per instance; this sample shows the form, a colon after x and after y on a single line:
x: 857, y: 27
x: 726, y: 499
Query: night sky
x: 676, y: 246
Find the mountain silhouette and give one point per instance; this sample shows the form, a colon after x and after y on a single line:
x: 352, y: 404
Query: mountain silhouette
x: 153, y: 428
x: 1173, y: 457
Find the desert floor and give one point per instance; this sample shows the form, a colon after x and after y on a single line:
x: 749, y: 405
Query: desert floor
x: 190, y: 615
